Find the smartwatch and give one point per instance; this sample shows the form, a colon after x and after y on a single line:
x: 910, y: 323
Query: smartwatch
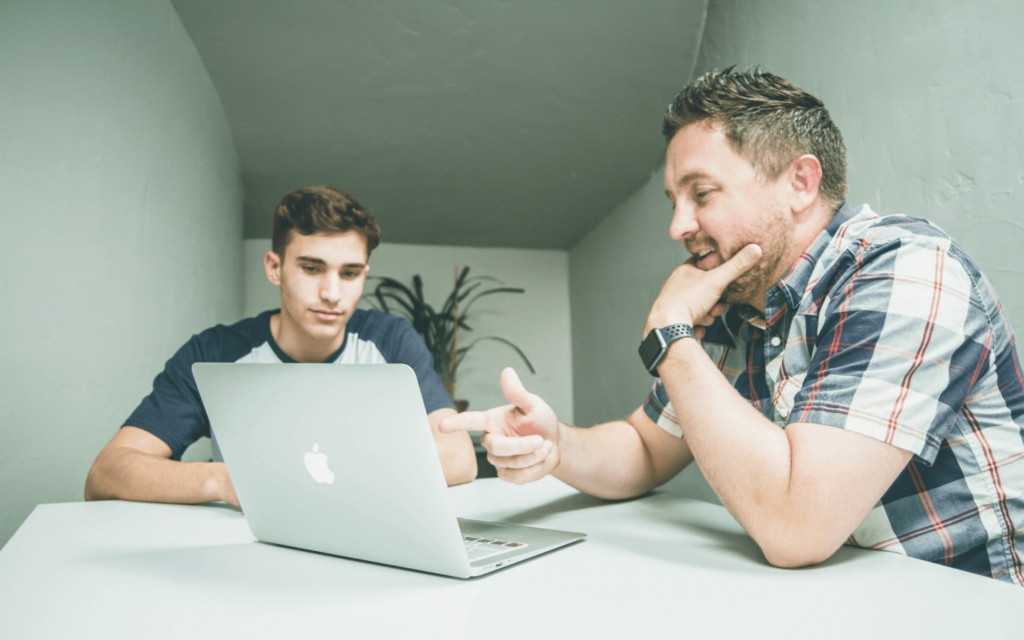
x: 655, y: 345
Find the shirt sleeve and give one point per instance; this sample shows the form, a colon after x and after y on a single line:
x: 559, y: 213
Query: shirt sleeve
x: 659, y: 409
x: 173, y: 411
x: 407, y: 347
x: 901, y: 340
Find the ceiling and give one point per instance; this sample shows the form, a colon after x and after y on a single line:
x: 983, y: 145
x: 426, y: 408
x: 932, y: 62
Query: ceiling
x: 482, y: 123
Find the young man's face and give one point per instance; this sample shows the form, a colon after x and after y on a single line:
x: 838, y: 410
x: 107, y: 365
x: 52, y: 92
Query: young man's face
x: 321, y: 280
x: 720, y: 206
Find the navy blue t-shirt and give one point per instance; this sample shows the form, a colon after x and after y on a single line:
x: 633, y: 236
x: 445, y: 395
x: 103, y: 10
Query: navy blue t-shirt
x: 174, y: 411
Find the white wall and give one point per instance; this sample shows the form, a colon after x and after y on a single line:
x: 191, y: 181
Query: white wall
x: 121, y: 218
x: 537, y: 321
x: 930, y: 100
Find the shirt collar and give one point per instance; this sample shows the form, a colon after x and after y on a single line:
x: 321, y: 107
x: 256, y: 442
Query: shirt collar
x: 732, y: 329
x: 794, y: 284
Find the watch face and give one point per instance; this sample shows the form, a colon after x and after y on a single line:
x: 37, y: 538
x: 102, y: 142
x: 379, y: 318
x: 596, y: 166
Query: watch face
x: 651, y: 348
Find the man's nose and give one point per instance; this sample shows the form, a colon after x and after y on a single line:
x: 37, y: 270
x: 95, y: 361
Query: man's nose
x: 684, y: 222
x: 330, y: 288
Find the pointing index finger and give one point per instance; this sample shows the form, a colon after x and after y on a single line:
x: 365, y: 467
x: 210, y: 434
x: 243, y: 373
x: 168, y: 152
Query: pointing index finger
x: 470, y: 421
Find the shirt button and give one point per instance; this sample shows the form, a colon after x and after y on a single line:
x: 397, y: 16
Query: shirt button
x: 784, y: 413
x: 776, y: 341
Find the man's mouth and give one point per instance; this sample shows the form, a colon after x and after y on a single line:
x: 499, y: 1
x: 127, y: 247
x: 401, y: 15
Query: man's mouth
x: 705, y: 258
x: 326, y: 315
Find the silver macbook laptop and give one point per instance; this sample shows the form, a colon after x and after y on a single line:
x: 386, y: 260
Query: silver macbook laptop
x: 340, y: 459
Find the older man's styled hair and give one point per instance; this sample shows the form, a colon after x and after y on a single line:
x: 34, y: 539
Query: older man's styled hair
x: 767, y: 120
x: 322, y: 209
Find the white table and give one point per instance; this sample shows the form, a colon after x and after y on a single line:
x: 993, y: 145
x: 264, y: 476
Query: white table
x: 657, y: 567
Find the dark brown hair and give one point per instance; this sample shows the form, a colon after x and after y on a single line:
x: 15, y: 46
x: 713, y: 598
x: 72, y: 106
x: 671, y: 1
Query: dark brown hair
x: 767, y: 120
x: 321, y: 209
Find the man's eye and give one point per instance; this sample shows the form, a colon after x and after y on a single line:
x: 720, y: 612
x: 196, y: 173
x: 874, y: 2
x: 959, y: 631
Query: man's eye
x: 309, y: 268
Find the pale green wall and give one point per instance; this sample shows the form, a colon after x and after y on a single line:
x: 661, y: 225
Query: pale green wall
x: 615, y: 274
x: 121, y: 217
x: 930, y: 99
x: 537, y: 321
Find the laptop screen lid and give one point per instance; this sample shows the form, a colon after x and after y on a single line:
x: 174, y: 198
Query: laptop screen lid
x: 335, y: 458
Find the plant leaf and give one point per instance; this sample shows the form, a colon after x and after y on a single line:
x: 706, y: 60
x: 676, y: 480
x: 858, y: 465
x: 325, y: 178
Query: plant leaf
x: 493, y: 291
x: 464, y: 350
x: 438, y: 328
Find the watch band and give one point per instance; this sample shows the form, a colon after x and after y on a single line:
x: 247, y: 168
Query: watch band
x: 655, y: 345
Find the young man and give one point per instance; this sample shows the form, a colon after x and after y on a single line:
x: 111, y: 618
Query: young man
x: 322, y: 242
x: 837, y: 375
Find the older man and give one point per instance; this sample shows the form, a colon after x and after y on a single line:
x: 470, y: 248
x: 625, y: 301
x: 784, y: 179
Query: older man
x: 839, y: 376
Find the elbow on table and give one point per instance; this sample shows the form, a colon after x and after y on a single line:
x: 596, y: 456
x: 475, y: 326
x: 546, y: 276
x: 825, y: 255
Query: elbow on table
x: 796, y: 551
x: 92, y: 484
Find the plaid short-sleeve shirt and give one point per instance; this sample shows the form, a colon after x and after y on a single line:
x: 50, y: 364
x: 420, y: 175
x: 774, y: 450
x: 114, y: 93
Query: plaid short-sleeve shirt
x: 886, y: 327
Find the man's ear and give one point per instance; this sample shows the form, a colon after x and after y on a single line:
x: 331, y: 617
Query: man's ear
x: 804, y: 178
x: 272, y: 264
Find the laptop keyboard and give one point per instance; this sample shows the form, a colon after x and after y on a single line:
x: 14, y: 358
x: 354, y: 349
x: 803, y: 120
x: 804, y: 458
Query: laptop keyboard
x: 479, y: 548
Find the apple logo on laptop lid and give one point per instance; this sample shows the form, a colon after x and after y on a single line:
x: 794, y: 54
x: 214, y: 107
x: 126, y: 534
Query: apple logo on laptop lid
x: 316, y: 464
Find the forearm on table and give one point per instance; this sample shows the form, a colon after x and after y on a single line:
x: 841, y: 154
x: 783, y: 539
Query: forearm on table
x: 607, y: 461
x: 458, y: 458
x: 123, y: 473
x: 746, y: 458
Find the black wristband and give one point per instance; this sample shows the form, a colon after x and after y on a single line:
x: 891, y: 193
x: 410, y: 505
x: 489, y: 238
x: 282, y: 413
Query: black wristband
x: 655, y: 345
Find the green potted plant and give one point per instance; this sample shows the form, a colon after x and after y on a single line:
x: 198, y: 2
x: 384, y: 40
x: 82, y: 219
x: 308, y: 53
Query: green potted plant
x: 440, y: 328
